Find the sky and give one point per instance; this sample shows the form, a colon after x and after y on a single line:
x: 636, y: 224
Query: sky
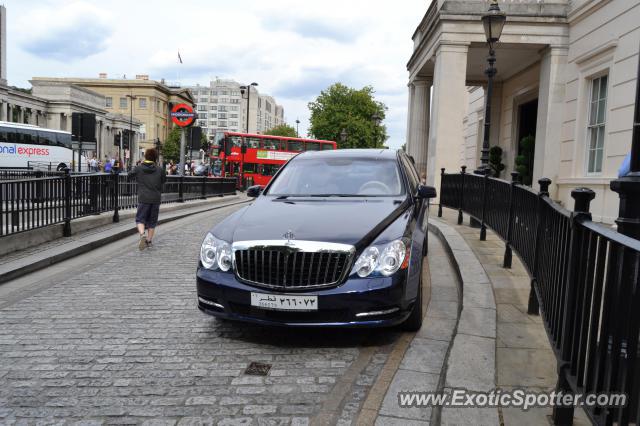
x: 292, y: 49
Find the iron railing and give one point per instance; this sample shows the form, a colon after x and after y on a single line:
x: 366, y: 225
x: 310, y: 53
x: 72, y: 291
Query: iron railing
x: 12, y: 174
x: 585, y: 282
x: 31, y: 203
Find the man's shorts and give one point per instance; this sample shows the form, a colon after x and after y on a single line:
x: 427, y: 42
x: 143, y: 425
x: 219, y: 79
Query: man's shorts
x: 148, y: 214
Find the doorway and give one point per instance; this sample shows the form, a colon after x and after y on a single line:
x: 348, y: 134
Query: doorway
x: 527, y: 120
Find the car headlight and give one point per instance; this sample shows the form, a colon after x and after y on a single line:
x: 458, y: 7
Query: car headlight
x: 215, y: 253
x: 383, y: 259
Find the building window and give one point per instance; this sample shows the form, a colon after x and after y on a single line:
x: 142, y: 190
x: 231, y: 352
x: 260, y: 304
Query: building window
x: 202, y: 107
x: 202, y: 123
x: 108, y: 102
x: 233, y: 108
x: 597, y: 121
x: 143, y: 102
x: 234, y: 101
x: 222, y: 115
x: 158, y: 106
x: 222, y: 124
x: 202, y: 115
x: 123, y: 103
x: 214, y: 107
x: 214, y: 100
x: 222, y: 108
x: 233, y: 123
x: 204, y: 100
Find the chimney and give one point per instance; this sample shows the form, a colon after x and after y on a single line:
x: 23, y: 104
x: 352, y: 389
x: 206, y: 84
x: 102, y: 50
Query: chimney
x: 142, y: 76
x: 102, y: 75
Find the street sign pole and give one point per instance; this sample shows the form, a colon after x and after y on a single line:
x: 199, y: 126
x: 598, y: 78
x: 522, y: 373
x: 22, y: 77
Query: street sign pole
x: 182, y: 145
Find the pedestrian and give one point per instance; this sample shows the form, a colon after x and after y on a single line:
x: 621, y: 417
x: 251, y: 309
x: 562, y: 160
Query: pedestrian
x: 150, y: 179
x: 107, y: 166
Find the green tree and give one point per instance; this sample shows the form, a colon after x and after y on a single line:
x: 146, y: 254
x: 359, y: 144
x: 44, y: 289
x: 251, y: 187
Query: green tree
x: 171, y: 147
x: 340, y: 107
x: 524, y: 161
x: 495, y: 160
x: 282, y: 130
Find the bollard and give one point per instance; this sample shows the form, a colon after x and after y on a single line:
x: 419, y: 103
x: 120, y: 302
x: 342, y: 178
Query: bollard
x: 441, y: 180
x: 463, y: 171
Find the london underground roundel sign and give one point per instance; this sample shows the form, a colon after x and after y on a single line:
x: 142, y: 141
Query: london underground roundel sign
x: 182, y: 115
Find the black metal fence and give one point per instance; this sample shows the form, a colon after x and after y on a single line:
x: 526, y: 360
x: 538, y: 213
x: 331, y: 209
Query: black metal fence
x: 12, y: 174
x: 585, y: 282
x: 31, y: 203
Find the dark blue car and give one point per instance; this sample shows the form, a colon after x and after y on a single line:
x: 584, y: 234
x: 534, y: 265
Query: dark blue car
x: 337, y: 238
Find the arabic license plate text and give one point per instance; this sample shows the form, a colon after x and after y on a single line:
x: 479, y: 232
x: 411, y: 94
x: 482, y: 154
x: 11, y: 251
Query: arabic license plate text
x: 284, y: 302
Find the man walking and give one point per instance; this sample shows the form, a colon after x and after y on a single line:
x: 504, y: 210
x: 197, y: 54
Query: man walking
x: 150, y: 180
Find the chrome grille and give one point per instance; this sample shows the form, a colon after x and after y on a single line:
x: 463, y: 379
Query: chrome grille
x: 292, y: 265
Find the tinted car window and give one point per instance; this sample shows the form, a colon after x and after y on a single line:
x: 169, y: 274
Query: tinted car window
x: 339, y: 176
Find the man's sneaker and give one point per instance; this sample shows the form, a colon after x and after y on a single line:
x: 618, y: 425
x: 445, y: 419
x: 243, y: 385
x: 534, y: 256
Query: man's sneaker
x: 143, y: 242
x: 148, y: 243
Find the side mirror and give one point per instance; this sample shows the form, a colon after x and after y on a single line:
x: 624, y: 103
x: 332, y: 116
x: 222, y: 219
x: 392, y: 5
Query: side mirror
x: 425, y: 191
x: 254, y: 191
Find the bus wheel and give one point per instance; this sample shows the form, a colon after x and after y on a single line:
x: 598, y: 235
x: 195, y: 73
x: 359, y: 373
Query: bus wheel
x: 61, y: 167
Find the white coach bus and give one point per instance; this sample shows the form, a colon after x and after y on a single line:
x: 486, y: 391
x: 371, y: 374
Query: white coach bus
x: 28, y: 146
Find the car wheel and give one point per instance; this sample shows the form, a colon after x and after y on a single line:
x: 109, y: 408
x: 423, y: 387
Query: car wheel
x: 61, y: 167
x: 414, y: 322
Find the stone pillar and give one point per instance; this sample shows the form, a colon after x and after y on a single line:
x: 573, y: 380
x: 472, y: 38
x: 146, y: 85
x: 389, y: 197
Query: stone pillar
x: 446, y: 136
x: 3, y: 111
x: 420, y: 119
x: 550, y: 115
x: 409, y: 147
x: 9, y: 113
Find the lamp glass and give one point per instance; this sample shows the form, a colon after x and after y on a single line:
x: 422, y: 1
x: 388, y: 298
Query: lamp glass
x: 493, y: 23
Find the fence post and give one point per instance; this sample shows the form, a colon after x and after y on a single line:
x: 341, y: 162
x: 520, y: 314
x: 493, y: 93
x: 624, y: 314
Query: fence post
x: 463, y: 171
x: 116, y: 195
x: 204, y: 187
x: 66, y: 231
x: 483, y: 226
x: 180, y: 189
x: 534, y: 308
x: 508, y: 255
x: 441, y: 180
x: 582, y: 198
x: 39, y: 187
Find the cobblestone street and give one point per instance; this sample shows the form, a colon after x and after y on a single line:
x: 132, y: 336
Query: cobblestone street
x: 123, y: 342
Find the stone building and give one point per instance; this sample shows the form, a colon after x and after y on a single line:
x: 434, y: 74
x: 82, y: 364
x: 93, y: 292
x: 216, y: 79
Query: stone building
x: 143, y: 99
x: 567, y: 72
x: 222, y: 107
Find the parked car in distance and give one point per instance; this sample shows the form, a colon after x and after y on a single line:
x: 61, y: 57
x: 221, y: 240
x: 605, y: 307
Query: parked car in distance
x: 337, y: 238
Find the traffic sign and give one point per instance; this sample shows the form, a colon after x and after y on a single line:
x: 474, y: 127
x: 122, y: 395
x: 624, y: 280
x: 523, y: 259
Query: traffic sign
x: 182, y: 115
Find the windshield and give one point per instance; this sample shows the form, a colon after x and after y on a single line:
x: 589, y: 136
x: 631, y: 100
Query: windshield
x: 339, y: 177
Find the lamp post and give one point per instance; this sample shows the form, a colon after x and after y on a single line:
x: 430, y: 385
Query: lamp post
x: 297, y: 124
x: 376, y: 119
x: 493, y: 22
x: 243, y: 146
x: 130, y: 139
x: 343, y: 136
x: 628, y: 186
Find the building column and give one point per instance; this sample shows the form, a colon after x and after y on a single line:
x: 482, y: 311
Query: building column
x: 3, y: 111
x: 408, y: 147
x: 550, y: 115
x: 446, y: 136
x: 420, y: 121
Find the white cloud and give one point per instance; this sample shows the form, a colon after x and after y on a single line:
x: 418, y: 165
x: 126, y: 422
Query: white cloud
x: 293, y: 49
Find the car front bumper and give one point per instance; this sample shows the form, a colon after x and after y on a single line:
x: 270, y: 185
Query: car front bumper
x: 387, y: 300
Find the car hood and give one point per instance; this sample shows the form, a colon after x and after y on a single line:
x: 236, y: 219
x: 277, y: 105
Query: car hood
x: 355, y: 221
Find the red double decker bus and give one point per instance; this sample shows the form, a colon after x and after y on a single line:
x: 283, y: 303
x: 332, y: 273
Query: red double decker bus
x: 264, y: 154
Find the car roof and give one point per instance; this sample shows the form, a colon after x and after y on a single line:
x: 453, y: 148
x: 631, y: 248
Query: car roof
x: 372, y: 154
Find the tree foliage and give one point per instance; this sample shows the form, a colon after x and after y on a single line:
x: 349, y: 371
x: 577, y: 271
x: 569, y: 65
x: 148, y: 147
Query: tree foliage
x: 495, y: 161
x: 524, y: 161
x: 171, y: 147
x: 282, y: 130
x: 340, y: 107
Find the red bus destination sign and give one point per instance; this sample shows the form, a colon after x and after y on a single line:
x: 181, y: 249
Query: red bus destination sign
x: 182, y: 115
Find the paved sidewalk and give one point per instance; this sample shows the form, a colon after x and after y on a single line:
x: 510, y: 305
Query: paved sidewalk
x: 524, y: 358
x: 21, y: 262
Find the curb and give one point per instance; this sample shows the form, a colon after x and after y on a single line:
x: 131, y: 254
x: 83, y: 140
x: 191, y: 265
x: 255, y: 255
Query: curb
x: 471, y: 362
x: 57, y: 258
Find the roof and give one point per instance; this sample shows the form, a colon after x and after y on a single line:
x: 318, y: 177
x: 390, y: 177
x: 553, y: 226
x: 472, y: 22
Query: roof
x: 362, y: 154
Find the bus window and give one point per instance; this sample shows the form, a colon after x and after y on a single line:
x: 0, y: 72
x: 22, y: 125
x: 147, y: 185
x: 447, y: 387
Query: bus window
x: 4, y: 134
x: 236, y: 140
x: 327, y: 146
x: 250, y: 167
x: 275, y: 144
x: 253, y: 142
x: 295, y: 146
x: 270, y: 169
x: 47, y: 138
x: 312, y: 146
x: 63, y: 140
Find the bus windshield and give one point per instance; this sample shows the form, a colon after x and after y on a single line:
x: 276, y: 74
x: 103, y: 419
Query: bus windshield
x: 341, y: 177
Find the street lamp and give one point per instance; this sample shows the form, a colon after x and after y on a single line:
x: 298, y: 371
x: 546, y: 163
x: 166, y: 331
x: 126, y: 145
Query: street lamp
x: 343, y: 135
x: 243, y: 147
x: 130, y: 139
x: 376, y: 119
x: 493, y: 22
x: 297, y: 124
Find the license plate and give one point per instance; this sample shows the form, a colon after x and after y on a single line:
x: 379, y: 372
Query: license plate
x: 284, y: 302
